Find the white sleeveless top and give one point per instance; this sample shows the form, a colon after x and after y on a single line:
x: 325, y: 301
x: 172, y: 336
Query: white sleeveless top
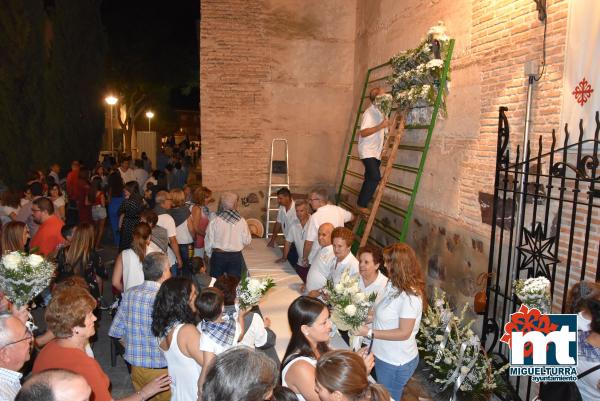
x: 133, y: 274
x: 184, y: 371
x: 308, y: 359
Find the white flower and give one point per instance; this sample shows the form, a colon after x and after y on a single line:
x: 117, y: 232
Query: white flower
x: 464, y: 370
x: 439, y: 337
x: 34, y: 260
x: 339, y: 287
x: 350, y: 310
x: 254, y: 285
x: 447, y: 361
x: 435, y: 63
x: 12, y: 260
x: 439, y: 303
x: 359, y: 297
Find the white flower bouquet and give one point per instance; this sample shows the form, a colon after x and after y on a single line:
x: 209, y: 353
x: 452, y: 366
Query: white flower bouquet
x: 442, y: 335
x: 23, y: 276
x: 534, y: 292
x: 350, y: 306
x: 251, y: 290
x: 384, y: 103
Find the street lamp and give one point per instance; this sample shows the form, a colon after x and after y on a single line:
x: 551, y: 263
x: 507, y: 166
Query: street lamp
x: 149, y: 114
x: 111, y: 101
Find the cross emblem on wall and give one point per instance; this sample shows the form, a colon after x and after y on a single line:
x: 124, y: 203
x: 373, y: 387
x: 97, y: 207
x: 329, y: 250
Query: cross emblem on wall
x: 583, y: 91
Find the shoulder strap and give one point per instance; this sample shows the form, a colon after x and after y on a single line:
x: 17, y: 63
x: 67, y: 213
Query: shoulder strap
x: 587, y: 372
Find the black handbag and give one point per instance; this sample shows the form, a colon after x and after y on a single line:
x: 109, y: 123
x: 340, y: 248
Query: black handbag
x: 563, y: 391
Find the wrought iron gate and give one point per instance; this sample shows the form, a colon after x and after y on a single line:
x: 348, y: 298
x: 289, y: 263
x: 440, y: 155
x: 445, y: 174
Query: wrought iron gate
x: 545, y: 222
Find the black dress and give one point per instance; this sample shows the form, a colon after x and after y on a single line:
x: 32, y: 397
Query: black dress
x: 130, y: 209
x: 88, y: 270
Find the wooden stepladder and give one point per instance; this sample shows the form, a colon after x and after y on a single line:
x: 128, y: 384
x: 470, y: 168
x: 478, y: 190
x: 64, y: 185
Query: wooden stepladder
x: 364, y: 224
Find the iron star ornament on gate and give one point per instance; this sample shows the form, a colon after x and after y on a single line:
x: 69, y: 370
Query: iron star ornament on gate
x: 536, y: 252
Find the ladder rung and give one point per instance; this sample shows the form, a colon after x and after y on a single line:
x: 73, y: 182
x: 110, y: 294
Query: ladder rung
x: 400, y: 188
x: 394, y: 209
x: 417, y: 126
x: 351, y: 190
x: 353, y: 157
x: 374, y: 241
x: 273, y: 209
x: 378, y: 79
x: 406, y: 168
x: 355, y: 174
x: 280, y: 185
x: 392, y: 232
x: 412, y: 147
x: 347, y: 205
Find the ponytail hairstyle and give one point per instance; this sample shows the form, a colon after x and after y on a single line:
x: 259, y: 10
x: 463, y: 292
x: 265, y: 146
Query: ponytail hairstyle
x: 345, y: 371
x: 141, y: 235
x: 303, y: 311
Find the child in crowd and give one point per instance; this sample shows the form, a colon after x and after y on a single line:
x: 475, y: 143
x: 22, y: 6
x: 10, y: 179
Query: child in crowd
x: 200, y: 278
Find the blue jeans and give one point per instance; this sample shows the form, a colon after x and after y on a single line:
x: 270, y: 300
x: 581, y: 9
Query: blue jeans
x: 372, y: 178
x: 393, y: 377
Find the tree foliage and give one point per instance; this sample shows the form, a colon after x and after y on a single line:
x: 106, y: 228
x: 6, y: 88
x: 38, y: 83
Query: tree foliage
x: 51, y: 76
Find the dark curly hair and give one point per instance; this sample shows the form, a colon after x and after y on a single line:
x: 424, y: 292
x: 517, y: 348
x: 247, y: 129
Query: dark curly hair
x: 172, y: 305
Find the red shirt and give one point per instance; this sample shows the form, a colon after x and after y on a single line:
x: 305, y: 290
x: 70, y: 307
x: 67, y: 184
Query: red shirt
x: 72, y: 179
x: 53, y: 356
x: 48, y: 236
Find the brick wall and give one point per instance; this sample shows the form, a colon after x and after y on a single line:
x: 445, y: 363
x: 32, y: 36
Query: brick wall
x: 275, y: 69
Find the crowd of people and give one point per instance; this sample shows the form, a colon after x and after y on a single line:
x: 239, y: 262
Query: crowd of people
x: 175, y: 281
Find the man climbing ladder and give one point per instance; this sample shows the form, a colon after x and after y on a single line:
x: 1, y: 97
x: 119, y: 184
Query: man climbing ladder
x: 370, y: 144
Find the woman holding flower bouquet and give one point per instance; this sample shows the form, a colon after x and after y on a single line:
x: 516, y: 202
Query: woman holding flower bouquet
x: 342, y: 239
x: 396, y: 319
x: 372, y: 280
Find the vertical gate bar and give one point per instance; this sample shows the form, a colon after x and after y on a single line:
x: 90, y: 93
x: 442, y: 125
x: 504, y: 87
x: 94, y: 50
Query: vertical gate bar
x: 549, y: 185
x: 537, y: 184
x: 560, y: 206
x: 502, y: 134
x: 590, y: 192
x: 508, y: 279
x: 523, y: 209
x: 572, y: 228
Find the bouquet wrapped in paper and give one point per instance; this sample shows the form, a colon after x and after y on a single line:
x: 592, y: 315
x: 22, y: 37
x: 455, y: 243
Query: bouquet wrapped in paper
x: 350, y: 306
x: 24, y: 276
x: 384, y: 104
x: 534, y: 292
x: 251, y: 290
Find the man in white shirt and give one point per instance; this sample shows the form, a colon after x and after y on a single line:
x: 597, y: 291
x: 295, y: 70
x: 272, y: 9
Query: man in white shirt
x: 320, y: 269
x: 324, y: 213
x: 226, y: 236
x: 54, y: 171
x: 370, y: 145
x: 15, y: 348
x: 286, y: 216
x: 141, y: 175
x: 163, y: 204
x: 294, y: 239
x: 126, y: 173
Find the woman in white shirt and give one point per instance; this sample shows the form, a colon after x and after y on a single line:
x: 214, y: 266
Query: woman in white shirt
x: 58, y: 200
x: 174, y: 325
x: 342, y: 239
x: 372, y: 280
x: 128, y: 270
x: 396, y: 320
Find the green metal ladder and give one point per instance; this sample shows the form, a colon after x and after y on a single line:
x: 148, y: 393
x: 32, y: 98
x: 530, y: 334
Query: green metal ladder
x: 396, y: 212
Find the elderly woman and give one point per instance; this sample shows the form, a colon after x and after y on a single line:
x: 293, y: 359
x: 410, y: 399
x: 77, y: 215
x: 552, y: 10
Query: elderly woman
x: 71, y: 319
x: 370, y: 258
x: 226, y: 235
x: 342, y: 239
x: 240, y: 374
